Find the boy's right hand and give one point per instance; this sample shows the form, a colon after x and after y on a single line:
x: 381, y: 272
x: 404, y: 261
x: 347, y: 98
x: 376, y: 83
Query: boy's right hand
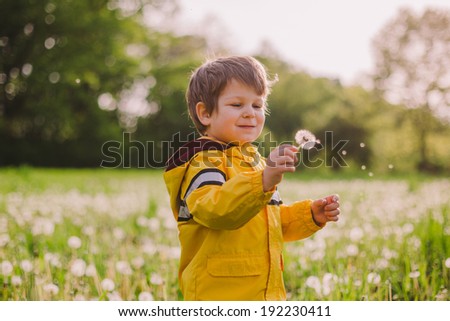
x: 282, y: 159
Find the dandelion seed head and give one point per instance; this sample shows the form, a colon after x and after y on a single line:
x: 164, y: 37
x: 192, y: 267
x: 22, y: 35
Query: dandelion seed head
x: 26, y: 266
x: 362, y: 145
x: 356, y: 234
x: 16, y: 280
x: 373, y: 278
x: 114, y: 296
x: 51, y: 288
x: 123, y: 267
x: 108, y: 285
x: 305, y: 139
x: 91, y: 271
x: 363, y: 167
x: 447, y: 263
x: 6, y: 268
x: 414, y: 274
x: 79, y: 297
x: 4, y: 239
x: 78, y: 268
x: 119, y: 233
x: 352, y: 250
x: 145, y: 296
x: 74, y: 242
x: 390, y: 166
x: 156, y: 279
x: 138, y: 262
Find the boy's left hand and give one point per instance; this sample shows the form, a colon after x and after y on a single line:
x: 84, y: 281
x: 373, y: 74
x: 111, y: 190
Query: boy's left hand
x: 326, y: 209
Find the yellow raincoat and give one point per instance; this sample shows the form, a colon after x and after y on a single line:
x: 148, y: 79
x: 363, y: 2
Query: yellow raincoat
x: 231, y: 232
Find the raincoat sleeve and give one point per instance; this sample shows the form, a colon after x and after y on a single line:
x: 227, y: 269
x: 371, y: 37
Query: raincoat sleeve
x: 218, y: 203
x: 297, y: 221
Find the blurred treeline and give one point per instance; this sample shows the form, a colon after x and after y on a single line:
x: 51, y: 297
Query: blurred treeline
x: 75, y: 75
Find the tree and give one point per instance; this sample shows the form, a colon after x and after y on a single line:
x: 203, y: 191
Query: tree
x: 60, y: 60
x: 413, y: 68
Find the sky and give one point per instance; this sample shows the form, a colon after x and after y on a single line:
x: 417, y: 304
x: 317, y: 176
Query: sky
x: 330, y: 38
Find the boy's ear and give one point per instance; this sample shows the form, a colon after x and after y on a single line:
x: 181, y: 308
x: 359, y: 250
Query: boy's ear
x: 202, y: 114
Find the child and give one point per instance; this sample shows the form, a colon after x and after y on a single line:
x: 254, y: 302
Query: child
x: 231, y: 220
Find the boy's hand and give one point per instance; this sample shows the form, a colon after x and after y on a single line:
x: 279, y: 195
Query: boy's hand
x: 282, y: 159
x: 326, y: 209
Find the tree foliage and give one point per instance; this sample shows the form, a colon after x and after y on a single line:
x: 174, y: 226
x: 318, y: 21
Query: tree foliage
x: 413, y: 69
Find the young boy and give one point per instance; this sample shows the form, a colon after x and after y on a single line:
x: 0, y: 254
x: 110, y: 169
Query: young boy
x: 231, y: 220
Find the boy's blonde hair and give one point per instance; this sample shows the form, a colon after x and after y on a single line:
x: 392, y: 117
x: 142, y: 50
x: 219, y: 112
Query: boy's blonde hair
x: 210, y: 79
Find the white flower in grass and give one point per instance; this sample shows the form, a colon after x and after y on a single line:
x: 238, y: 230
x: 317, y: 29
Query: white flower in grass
x: 138, y: 262
x: 4, y: 239
x: 145, y: 296
x: 156, y: 279
x: 114, y: 296
x: 79, y: 297
x: 123, y: 267
x: 414, y: 274
x: 314, y: 283
x: 91, y: 270
x: 108, y: 285
x: 6, y: 268
x: 16, y: 280
x: 305, y: 139
x: 78, y: 268
x: 352, y: 250
x: 51, y: 288
x: 26, y: 266
x: 118, y: 233
x: 373, y: 278
x: 447, y: 263
x: 356, y: 234
x: 74, y: 242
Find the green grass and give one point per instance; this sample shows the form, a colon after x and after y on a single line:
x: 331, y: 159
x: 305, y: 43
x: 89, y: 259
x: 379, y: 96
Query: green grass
x: 391, y: 243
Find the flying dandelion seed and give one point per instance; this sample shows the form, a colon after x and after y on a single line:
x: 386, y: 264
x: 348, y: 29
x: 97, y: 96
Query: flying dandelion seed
x: 390, y: 166
x: 370, y: 174
x: 305, y: 139
x: 362, y: 145
x: 363, y: 167
x: 108, y: 285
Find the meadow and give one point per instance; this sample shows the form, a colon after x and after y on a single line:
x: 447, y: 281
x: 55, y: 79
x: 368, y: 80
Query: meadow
x: 110, y: 235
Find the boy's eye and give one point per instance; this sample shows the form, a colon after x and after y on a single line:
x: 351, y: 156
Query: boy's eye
x: 257, y: 106
x: 236, y: 105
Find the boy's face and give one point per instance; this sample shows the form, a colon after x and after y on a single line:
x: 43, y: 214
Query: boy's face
x: 240, y: 115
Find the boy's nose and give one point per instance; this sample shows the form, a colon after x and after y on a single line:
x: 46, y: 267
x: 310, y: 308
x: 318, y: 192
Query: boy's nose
x: 248, y: 112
